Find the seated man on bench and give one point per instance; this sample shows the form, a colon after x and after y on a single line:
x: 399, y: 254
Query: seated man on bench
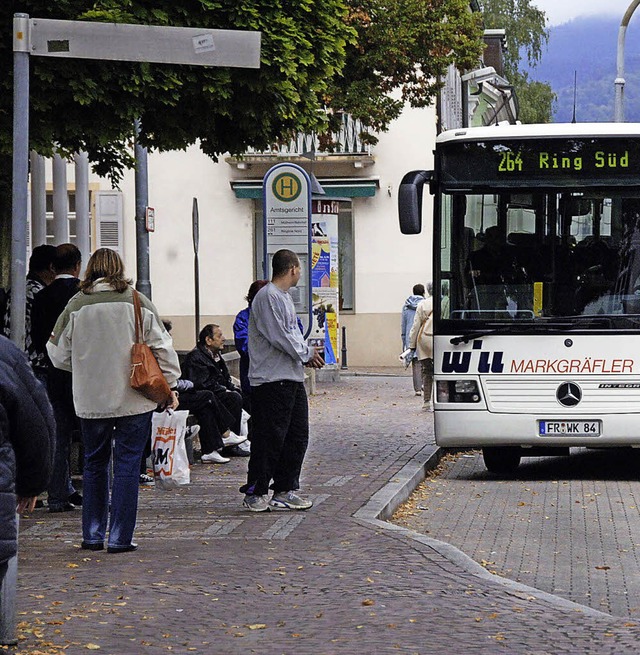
x: 214, y: 419
x: 206, y: 368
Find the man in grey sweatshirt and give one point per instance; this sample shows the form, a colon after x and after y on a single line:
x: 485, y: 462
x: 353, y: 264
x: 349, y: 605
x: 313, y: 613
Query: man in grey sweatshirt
x: 277, y: 355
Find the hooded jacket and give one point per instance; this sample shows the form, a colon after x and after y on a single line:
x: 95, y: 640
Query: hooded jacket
x: 27, y: 438
x: 408, y: 314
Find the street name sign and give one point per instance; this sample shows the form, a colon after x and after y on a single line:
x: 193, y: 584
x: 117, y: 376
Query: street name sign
x: 149, y: 43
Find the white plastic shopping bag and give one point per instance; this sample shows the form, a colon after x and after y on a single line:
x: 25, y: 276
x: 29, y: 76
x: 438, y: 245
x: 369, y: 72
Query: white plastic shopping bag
x: 170, y: 462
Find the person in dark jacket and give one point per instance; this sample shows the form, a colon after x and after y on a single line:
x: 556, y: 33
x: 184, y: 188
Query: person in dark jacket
x: 206, y: 368
x: 212, y: 416
x: 27, y: 437
x: 47, y: 306
x: 40, y: 275
x: 241, y: 338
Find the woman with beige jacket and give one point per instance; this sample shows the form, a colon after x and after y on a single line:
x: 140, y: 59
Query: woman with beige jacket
x: 421, y: 340
x: 92, y: 339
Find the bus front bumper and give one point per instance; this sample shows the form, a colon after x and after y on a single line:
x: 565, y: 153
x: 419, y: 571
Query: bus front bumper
x: 478, y: 428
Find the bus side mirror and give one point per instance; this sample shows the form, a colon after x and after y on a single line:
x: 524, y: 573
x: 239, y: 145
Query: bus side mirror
x: 410, y: 201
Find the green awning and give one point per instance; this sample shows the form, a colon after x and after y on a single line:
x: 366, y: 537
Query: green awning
x: 345, y: 188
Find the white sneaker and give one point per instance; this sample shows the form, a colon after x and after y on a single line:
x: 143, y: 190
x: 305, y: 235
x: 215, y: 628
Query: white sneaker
x: 289, y: 500
x: 215, y: 457
x: 233, y: 439
x: 245, y: 446
x: 256, y: 503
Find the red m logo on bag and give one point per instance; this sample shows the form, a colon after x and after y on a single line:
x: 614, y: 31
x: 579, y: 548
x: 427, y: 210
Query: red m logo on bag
x: 163, y: 456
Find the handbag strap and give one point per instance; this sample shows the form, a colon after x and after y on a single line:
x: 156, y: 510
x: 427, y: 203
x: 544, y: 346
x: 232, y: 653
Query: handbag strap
x: 137, y: 310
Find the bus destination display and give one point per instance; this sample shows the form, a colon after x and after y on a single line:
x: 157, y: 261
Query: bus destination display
x: 555, y: 161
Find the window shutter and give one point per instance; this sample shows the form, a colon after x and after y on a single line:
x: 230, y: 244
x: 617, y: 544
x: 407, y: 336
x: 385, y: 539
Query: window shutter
x: 108, y: 210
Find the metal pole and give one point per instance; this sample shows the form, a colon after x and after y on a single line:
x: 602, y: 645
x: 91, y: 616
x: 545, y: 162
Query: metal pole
x: 618, y: 105
x: 143, y: 283
x: 195, y: 220
x: 344, y: 348
x: 19, y: 201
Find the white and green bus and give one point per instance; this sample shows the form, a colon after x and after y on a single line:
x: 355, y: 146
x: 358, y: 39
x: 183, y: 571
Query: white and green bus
x: 536, y: 251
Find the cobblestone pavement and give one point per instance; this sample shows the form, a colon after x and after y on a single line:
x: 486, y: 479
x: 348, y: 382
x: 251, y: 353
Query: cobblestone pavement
x: 569, y: 526
x: 211, y: 578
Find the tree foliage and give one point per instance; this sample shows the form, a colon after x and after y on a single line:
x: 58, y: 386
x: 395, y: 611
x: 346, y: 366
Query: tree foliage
x: 527, y: 37
x: 91, y: 105
x: 536, y: 99
x: 402, y: 51
x: 385, y: 44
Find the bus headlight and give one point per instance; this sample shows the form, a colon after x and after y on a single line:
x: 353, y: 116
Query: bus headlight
x: 457, y: 391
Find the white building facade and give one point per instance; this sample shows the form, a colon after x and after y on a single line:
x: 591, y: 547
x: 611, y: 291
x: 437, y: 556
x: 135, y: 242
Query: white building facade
x: 379, y: 265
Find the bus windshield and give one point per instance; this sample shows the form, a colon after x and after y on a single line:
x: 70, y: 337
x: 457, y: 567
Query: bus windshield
x: 531, y: 254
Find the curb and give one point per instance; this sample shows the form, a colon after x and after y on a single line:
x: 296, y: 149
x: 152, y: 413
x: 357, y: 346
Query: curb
x: 364, y: 374
x: 383, y: 504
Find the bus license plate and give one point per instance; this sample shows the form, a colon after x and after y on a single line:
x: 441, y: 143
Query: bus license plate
x: 589, y: 428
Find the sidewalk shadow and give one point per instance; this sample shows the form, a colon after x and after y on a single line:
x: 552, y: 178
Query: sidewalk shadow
x: 620, y: 464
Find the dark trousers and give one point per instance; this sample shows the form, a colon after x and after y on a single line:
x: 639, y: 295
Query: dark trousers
x: 60, y: 392
x: 232, y: 401
x: 280, y: 437
x: 213, y: 417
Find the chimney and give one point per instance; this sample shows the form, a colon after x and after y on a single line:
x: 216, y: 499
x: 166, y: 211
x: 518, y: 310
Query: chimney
x: 495, y: 45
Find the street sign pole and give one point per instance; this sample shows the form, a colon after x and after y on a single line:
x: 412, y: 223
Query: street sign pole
x: 143, y: 282
x: 195, y: 224
x: 19, y: 202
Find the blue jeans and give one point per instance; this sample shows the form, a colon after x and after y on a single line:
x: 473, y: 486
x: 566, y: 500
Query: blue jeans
x: 129, y: 435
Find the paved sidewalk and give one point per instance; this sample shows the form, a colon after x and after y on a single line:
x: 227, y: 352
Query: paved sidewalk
x: 212, y: 578
x: 568, y: 525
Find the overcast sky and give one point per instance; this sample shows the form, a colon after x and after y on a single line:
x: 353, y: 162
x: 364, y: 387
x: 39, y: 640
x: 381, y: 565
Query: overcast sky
x: 561, y: 11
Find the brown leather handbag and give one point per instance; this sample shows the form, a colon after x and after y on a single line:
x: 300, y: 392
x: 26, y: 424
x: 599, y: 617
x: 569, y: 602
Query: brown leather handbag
x: 146, y: 376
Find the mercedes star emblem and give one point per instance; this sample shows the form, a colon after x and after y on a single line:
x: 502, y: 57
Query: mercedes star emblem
x: 569, y: 394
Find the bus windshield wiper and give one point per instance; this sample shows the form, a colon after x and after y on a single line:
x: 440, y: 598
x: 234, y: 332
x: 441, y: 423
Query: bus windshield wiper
x: 471, y: 336
x: 558, y: 323
x: 511, y: 327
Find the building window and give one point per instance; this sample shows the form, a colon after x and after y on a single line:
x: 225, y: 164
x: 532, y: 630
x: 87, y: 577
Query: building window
x: 346, y: 261
x: 71, y: 195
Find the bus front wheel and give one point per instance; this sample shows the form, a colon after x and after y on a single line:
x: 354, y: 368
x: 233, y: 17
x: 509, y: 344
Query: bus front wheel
x: 501, y: 459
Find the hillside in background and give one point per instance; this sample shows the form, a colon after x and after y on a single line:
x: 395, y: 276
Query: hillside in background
x: 588, y: 46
